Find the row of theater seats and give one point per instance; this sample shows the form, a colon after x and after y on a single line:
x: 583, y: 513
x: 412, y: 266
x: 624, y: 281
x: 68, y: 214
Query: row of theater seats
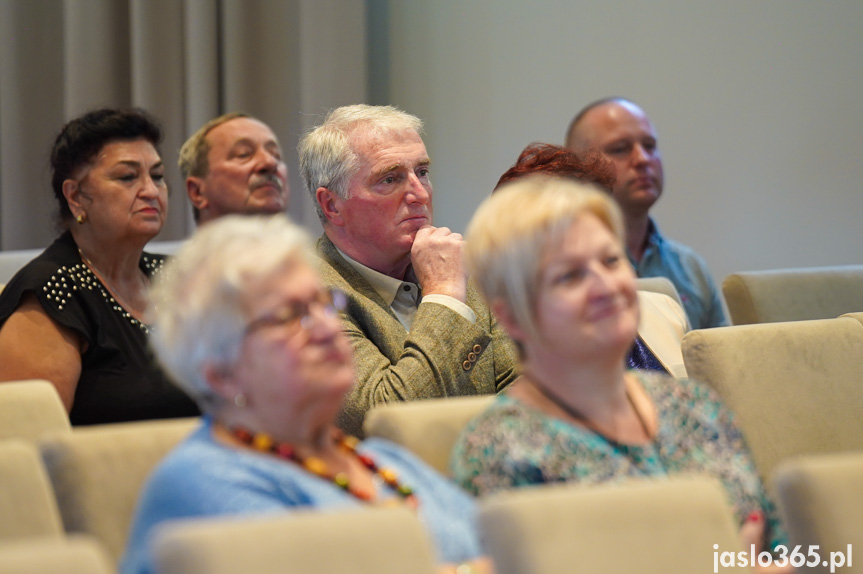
x: 793, y: 294
x: 751, y: 297
x: 795, y: 388
x: 13, y: 260
x: 793, y: 385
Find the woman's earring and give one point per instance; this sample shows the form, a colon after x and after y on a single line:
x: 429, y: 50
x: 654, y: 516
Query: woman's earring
x: 240, y: 400
x: 81, y: 218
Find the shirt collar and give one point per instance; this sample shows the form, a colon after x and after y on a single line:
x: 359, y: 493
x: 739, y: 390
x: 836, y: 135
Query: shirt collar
x: 653, y: 235
x: 384, y: 285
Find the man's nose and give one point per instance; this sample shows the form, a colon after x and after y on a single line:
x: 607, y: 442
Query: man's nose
x: 266, y: 161
x: 417, y: 191
x: 640, y: 155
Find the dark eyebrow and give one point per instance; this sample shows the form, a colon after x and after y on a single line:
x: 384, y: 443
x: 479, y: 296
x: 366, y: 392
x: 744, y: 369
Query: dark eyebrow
x: 395, y: 167
x: 137, y: 164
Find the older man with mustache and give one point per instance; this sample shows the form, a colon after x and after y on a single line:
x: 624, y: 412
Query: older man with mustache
x: 418, y: 328
x: 233, y: 164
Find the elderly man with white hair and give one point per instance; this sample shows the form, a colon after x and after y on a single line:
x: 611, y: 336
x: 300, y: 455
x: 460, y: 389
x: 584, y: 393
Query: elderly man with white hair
x: 418, y: 328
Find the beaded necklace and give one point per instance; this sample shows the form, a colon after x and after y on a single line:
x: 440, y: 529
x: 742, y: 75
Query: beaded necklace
x: 264, y: 443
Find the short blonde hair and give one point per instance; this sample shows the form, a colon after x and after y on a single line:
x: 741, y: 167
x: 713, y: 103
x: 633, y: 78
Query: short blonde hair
x: 512, y: 230
x: 197, y: 304
x: 326, y: 156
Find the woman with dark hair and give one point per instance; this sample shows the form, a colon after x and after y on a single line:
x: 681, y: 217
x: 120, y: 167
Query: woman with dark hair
x: 74, y: 315
x: 587, y: 167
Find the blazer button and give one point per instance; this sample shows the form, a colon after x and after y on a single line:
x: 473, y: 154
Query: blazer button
x: 477, y: 349
x: 471, y: 357
x: 466, y: 365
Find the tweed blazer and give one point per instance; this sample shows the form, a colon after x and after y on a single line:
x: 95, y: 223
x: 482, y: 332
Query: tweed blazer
x: 661, y: 326
x: 443, y: 355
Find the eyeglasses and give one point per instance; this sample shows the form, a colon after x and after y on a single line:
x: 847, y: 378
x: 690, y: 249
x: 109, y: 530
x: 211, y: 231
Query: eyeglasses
x: 298, y: 315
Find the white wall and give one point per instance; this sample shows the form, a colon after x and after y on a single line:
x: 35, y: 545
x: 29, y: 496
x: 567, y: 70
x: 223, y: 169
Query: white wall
x: 756, y: 104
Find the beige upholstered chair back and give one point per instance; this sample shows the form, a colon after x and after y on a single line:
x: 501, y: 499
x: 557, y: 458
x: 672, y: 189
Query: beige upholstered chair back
x: 647, y: 527
x: 372, y: 540
x: 428, y: 428
x: 27, y: 505
x: 821, y: 501
x: 856, y: 316
x: 795, y: 387
x: 98, y: 471
x: 74, y: 555
x: 13, y: 260
x: 30, y: 409
x: 793, y: 294
x: 659, y: 285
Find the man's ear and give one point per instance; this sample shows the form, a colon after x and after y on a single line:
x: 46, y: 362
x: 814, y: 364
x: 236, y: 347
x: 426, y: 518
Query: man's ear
x: 195, y: 191
x: 506, y: 319
x: 331, y: 205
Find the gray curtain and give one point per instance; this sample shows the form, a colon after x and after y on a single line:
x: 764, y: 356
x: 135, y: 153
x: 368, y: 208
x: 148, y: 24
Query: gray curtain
x: 185, y: 61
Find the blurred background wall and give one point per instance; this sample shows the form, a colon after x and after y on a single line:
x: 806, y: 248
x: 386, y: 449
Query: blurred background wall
x: 756, y: 103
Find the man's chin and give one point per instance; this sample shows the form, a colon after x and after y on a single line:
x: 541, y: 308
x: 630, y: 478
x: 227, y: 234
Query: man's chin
x: 641, y: 198
x: 271, y: 208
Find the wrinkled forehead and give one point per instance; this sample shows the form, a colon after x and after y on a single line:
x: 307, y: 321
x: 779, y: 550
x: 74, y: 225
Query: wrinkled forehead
x: 366, y: 138
x: 239, y: 129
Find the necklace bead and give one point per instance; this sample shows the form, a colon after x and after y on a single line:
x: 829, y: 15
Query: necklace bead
x: 262, y: 442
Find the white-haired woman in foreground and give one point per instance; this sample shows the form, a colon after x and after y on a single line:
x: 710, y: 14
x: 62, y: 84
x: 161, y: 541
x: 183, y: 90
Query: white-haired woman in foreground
x: 241, y: 321
x: 548, y: 255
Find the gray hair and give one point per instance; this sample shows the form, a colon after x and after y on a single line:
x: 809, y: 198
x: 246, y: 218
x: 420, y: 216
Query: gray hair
x: 327, y: 158
x: 192, y: 159
x: 197, y: 304
x: 512, y: 230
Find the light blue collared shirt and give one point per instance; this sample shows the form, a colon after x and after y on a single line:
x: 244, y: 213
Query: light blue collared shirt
x: 687, y: 270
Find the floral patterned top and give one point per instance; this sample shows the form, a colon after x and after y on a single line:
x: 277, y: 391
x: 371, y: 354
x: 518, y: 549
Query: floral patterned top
x: 512, y: 444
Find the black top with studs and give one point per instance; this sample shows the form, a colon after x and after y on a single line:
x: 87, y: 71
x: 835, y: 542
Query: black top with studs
x: 119, y: 380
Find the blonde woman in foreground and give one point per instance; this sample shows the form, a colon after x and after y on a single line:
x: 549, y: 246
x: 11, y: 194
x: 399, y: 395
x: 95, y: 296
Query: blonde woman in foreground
x: 549, y: 258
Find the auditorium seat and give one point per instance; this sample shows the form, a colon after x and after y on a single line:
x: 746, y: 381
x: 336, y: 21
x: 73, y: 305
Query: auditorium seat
x: 97, y: 473
x: 793, y: 294
x: 658, y: 285
x: 794, y: 387
x: 650, y: 527
x: 856, y: 316
x: 28, y: 508
x: 428, y: 428
x: 821, y: 501
x: 30, y: 409
x: 361, y: 541
x: 73, y: 555
x: 13, y: 260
